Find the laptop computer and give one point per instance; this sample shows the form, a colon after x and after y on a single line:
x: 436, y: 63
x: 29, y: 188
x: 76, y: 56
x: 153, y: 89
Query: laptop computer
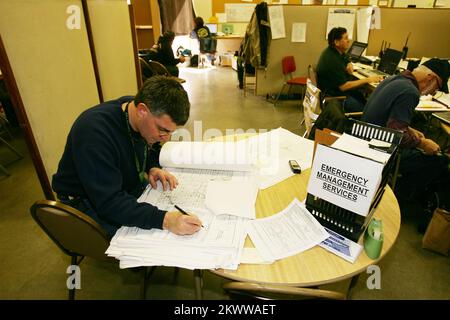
x: 212, y: 27
x: 443, y: 116
x: 356, y: 50
x: 388, y: 64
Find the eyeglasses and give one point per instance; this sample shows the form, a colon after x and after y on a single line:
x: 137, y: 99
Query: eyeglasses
x: 163, y: 131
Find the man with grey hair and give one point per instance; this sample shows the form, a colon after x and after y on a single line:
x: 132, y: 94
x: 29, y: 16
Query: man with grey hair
x: 392, y: 105
x: 112, y: 153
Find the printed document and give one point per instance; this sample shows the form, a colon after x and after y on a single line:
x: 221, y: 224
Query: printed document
x: 341, y: 246
x: 287, y: 233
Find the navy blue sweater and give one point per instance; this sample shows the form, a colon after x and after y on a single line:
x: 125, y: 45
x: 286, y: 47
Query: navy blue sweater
x: 99, y: 164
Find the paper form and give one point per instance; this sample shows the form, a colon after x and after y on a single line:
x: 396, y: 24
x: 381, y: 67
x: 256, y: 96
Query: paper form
x: 289, y: 232
x: 190, y: 194
x: 298, y: 32
x: 276, y: 18
x: 235, y: 197
x: 363, y: 21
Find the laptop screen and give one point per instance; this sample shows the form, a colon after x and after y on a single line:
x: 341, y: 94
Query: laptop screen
x: 356, y: 50
x: 390, y: 60
x: 212, y: 27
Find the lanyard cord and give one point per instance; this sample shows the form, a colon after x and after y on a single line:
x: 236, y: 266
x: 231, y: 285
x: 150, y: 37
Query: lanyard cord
x: 141, y: 172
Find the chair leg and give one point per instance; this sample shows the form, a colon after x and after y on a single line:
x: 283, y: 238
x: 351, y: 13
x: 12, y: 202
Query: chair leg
x: 10, y: 147
x: 352, y: 285
x: 279, y: 94
x: 73, y: 262
x: 5, y: 172
x: 147, y: 273
x: 198, y: 278
x: 394, y: 176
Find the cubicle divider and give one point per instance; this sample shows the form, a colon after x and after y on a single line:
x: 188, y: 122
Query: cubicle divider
x: 47, y: 62
x: 427, y: 27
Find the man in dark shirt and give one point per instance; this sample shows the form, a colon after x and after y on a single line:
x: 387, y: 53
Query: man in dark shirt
x: 112, y: 152
x: 334, y: 72
x: 392, y: 105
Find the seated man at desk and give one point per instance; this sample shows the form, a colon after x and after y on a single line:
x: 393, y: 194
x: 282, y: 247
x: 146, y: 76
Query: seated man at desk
x: 334, y: 72
x: 392, y: 105
x: 112, y: 153
x: 163, y: 53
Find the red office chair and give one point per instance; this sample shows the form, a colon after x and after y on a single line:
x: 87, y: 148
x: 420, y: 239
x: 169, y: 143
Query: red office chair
x: 288, y: 67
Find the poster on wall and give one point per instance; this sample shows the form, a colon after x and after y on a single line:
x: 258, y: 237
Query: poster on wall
x: 239, y: 12
x: 298, y: 32
x: 341, y: 18
x: 276, y: 19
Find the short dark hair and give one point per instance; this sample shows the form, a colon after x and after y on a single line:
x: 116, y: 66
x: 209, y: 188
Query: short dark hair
x: 164, y: 95
x: 199, y: 22
x: 166, y: 39
x: 335, y: 34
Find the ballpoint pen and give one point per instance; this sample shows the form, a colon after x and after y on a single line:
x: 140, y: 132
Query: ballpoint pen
x: 183, y: 212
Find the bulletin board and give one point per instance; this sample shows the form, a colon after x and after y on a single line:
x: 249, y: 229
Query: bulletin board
x: 396, y: 23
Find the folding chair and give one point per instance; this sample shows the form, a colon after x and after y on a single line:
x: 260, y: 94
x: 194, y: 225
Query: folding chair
x: 288, y: 68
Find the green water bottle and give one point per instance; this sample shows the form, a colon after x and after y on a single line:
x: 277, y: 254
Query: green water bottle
x: 373, y: 239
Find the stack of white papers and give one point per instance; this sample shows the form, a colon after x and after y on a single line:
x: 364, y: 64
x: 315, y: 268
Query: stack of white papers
x: 289, y: 232
x: 218, y: 245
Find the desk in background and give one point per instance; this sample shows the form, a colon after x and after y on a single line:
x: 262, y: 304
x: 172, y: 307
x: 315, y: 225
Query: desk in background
x: 229, y: 43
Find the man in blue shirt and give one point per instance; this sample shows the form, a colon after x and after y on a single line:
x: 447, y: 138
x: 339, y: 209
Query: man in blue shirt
x: 392, y: 105
x: 334, y: 72
x: 112, y: 153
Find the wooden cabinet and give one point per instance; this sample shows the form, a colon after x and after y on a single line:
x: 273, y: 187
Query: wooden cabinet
x: 147, y: 22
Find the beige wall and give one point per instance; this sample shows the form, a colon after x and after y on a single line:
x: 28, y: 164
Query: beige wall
x: 203, y: 8
x: 53, y: 69
x: 395, y: 23
x: 113, y: 47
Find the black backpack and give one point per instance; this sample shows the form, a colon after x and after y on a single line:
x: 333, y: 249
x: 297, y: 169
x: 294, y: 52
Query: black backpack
x: 194, y: 61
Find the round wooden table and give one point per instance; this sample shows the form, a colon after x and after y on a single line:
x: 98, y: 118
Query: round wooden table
x: 316, y: 266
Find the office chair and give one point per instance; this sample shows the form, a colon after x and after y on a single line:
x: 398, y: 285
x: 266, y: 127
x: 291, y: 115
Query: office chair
x: 288, y: 68
x: 337, y: 101
x: 75, y: 233
x: 312, y: 74
x: 159, y: 69
x: 146, y: 71
x: 248, y: 290
x: 4, y: 130
x: 311, y: 106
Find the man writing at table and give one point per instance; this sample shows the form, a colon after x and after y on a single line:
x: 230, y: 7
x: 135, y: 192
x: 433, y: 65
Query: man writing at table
x: 392, y: 105
x: 334, y: 72
x: 112, y: 152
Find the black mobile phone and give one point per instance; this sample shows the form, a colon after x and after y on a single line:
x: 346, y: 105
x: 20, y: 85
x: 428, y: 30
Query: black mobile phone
x: 294, y: 166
